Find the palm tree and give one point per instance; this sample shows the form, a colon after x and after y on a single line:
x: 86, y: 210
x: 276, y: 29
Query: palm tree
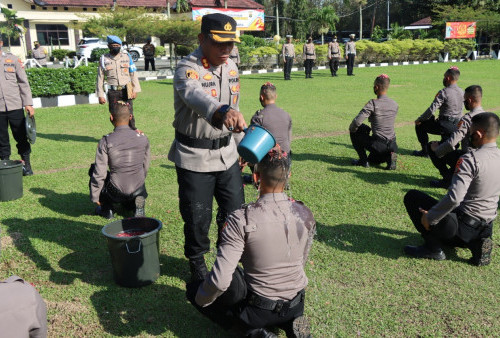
x: 12, y: 26
x: 182, y: 6
x: 325, y: 18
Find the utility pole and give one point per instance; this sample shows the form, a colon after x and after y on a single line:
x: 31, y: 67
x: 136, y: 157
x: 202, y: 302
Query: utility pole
x: 277, y: 19
x: 360, y: 22
x: 388, y: 15
x: 225, y: 4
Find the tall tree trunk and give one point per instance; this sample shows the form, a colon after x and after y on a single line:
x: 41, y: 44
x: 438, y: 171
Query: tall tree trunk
x: 373, y: 18
x: 360, y: 21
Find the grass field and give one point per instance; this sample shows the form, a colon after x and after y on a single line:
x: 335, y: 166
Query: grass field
x: 360, y: 283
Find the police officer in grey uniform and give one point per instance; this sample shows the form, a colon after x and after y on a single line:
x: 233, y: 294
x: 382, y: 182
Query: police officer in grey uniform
x: 23, y: 312
x: 350, y: 54
x: 444, y: 155
x: 206, y: 122
x: 15, y: 94
x: 334, y: 56
x: 121, y: 74
x: 272, y: 239
x: 464, y: 217
x: 381, y: 113
x: 235, y: 55
x: 288, y: 52
x: 449, y: 101
x: 127, y: 154
x: 309, y: 51
x: 40, y: 54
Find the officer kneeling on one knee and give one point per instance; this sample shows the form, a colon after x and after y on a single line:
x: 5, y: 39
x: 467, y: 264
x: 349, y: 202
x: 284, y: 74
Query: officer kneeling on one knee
x: 272, y: 238
x: 464, y: 217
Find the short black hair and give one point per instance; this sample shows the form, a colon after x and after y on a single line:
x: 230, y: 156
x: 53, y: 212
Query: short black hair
x: 382, y: 81
x: 121, y: 111
x: 268, y: 90
x: 274, y: 167
x: 475, y: 92
x: 453, y: 72
x: 488, y: 122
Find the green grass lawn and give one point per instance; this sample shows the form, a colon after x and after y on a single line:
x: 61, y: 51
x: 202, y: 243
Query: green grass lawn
x: 360, y: 283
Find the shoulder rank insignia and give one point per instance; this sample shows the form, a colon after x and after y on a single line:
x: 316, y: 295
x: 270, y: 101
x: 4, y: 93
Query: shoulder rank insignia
x: 205, y: 63
x: 207, y: 77
x: 457, y: 166
x: 232, y: 72
x: 192, y: 74
x: 214, y: 93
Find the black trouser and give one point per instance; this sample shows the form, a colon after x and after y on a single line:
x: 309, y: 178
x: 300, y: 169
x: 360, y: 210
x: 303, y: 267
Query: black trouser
x: 17, y: 122
x: 148, y: 61
x: 235, y: 301
x: 196, y: 193
x: 121, y: 95
x: 334, y: 65
x: 308, y: 64
x: 451, y: 230
x: 446, y: 164
x: 350, y: 63
x: 287, y: 68
x: 110, y: 194
x: 380, y: 150
x: 436, y: 127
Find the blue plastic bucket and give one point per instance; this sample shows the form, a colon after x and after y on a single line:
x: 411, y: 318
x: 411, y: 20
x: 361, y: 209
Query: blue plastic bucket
x: 256, y: 144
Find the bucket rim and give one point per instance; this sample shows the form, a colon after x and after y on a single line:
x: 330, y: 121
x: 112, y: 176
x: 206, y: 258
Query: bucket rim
x: 9, y: 164
x: 261, y: 127
x: 146, y: 234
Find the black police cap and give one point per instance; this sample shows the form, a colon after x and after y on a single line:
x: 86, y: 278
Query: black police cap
x: 220, y: 27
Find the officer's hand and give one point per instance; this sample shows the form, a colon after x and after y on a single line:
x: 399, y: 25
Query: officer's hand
x: 424, y: 220
x: 98, y: 203
x: 102, y: 100
x: 30, y: 110
x: 133, y: 95
x: 434, y: 145
x: 242, y: 163
x: 417, y: 122
x: 140, y: 132
x: 234, y: 121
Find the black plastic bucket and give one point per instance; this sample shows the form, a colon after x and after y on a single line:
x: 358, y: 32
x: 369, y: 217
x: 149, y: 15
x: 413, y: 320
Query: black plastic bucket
x: 11, y: 180
x: 134, y: 246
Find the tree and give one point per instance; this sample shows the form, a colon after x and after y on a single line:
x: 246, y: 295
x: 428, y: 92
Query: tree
x: 298, y: 12
x: 325, y: 19
x: 181, y: 6
x: 178, y: 32
x: 12, y: 26
x: 360, y: 4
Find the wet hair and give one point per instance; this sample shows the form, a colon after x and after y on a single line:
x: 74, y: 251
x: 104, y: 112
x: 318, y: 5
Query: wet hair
x: 268, y: 90
x: 121, y: 112
x: 487, y: 122
x: 382, y: 81
x: 274, y: 167
x: 453, y: 72
x: 474, y: 91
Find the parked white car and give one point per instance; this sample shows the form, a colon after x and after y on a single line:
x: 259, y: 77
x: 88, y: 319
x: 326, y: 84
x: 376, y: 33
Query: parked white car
x: 87, y: 45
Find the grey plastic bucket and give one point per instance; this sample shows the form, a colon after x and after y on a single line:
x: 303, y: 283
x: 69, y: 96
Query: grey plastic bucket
x: 11, y: 180
x: 135, y: 259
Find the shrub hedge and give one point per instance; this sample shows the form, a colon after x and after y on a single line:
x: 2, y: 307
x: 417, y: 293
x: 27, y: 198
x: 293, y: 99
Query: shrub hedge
x: 62, y: 81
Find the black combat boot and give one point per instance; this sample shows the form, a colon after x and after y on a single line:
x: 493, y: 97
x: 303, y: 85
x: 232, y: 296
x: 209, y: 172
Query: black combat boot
x: 140, y: 203
x: 300, y: 328
x: 481, y: 251
x: 424, y: 252
x: 260, y: 333
x: 198, y: 268
x: 26, y: 165
x: 391, y: 164
x: 361, y: 163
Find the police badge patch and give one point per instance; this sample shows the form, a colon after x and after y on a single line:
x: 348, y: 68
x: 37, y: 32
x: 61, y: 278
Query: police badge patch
x: 192, y: 74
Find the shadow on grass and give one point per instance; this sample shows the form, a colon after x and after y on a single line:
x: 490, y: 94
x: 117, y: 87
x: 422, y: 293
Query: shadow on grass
x: 384, y: 242
x: 67, y: 138
x: 168, y: 166
x: 72, y: 204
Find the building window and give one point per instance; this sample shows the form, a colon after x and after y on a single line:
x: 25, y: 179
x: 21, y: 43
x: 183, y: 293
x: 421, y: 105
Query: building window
x: 94, y: 9
x: 84, y: 9
x: 13, y: 42
x: 56, y: 35
x: 44, y: 8
x: 33, y: 7
x: 54, y: 8
x: 66, y: 8
x: 9, y: 6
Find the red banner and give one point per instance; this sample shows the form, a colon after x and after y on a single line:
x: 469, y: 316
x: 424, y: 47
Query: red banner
x: 460, y: 30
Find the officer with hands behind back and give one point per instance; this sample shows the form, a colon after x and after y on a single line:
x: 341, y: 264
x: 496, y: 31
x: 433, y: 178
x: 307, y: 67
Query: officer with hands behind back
x: 206, y: 97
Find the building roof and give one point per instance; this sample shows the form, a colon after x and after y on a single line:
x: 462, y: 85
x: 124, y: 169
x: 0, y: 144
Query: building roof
x: 422, y: 22
x: 240, y: 4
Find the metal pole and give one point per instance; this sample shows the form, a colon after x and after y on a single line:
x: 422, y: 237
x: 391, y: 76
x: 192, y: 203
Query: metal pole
x: 277, y: 19
x: 360, y: 22
x: 225, y: 4
x: 388, y: 15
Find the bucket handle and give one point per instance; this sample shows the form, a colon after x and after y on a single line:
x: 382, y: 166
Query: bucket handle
x: 133, y: 252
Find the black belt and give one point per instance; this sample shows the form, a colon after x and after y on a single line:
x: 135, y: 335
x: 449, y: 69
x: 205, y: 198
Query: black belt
x: 203, y: 143
x: 310, y: 54
x: 41, y: 58
x: 471, y: 221
x: 288, y: 56
x: 448, y: 118
x: 113, y: 87
x: 275, y: 305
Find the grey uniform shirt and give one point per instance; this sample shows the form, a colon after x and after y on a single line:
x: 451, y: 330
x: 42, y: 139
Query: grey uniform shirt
x: 449, y: 101
x: 235, y: 55
x: 309, y: 51
x: 460, y: 135
x: 350, y: 48
x: 381, y: 113
x: 115, y: 68
x: 288, y: 50
x: 272, y: 238
x: 475, y: 186
x: 40, y: 55
x: 199, y: 90
x: 278, y: 122
x: 127, y: 155
x: 333, y: 50
x: 15, y: 91
x: 23, y: 312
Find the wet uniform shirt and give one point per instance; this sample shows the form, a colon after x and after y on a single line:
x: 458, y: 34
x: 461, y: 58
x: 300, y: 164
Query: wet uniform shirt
x: 272, y: 237
x: 350, y: 48
x: 309, y: 51
x: 459, y: 135
x: 449, y: 101
x: 127, y: 154
x: 278, y: 122
x: 40, y: 55
x: 381, y: 113
x: 475, y: 186
x: 15, y: 92
x: 199, y: 90
x: 116, y: 70
x: 288, y: 50
x: 333, y: 50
